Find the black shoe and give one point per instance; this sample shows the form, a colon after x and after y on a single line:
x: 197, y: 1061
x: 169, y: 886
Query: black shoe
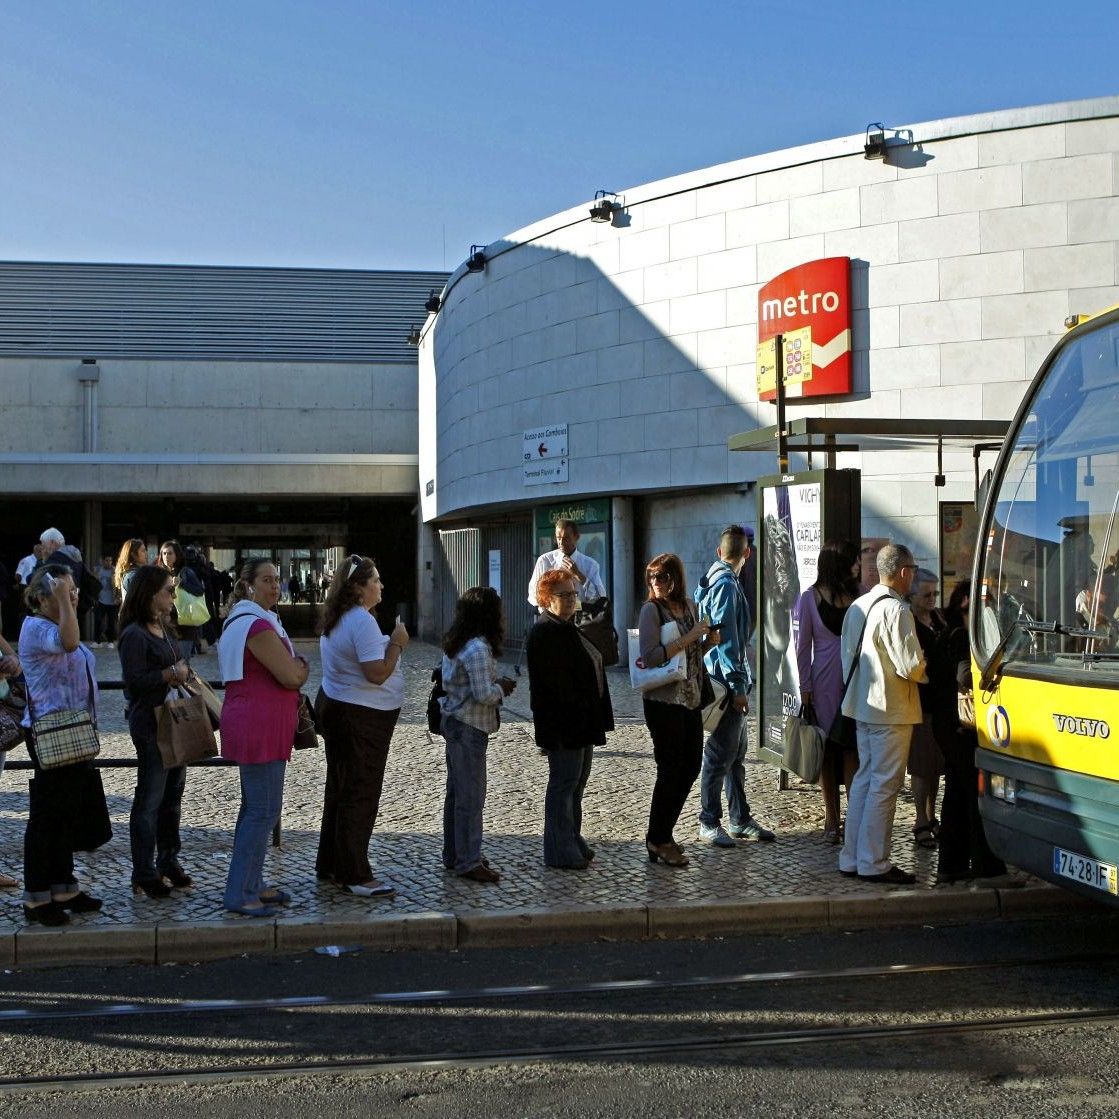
x: 178, y: 877
x: 81, y: 902
x: 850, y: 874
x: 895, y: 876
x: 153, y: 887
x: 51, y: 914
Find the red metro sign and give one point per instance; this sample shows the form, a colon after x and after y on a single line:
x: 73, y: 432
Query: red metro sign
x: 814, y: 300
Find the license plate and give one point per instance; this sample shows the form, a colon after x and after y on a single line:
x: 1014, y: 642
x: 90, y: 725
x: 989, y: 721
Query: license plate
x: 1088, y: 872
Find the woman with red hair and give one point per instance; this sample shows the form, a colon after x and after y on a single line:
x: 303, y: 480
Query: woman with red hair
x: 571, y: 714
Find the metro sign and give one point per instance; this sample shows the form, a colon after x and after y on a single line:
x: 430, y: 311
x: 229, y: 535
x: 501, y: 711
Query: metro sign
x: 813, y: 298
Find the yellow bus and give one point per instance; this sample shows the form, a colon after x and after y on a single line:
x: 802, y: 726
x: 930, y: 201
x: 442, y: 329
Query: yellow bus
x: 1044, y: 635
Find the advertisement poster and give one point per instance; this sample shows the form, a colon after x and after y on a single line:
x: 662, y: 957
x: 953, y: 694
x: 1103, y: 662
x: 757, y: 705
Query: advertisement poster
x: 959, y: 525
x: 791, y: 535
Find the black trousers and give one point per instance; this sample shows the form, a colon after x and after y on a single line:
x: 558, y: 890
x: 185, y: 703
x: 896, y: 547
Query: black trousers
x: 678, y: 751
x: 963, y: 846
x: 48, y: 852
x: 357, y: 748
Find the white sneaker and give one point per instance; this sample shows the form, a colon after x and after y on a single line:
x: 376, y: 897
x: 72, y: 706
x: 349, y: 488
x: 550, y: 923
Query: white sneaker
x: 716, y: 836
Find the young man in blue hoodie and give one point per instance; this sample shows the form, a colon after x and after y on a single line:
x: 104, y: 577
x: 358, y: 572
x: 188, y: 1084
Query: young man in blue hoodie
x: 720, y: 598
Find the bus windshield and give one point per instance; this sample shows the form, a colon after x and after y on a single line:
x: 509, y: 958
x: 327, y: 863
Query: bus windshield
x: 1049, y: 579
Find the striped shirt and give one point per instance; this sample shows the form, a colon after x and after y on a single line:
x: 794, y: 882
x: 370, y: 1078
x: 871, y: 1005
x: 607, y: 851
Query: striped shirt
x: 470, y: 681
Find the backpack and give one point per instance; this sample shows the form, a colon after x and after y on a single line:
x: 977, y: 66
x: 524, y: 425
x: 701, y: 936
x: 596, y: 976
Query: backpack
x: 434, y: 711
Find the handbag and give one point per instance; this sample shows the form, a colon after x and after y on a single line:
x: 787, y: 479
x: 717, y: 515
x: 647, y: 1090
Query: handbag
x: 434, y: 708
x: 197, y: 686
x: 66, y: 737
x: 598, y: 629
x: 842, y: 732
x: 12, y: 705
x: 306, y: 731
x: 671, y: 672
x: 183, y: 731
x: 90, y: 826
x: 803, y: 745
x: 714, y: 697
x: 190, y: 609
x: 965, y: 709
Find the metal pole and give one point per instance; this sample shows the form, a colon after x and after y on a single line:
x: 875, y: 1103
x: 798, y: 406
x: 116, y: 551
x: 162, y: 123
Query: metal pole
x: 779, y: 372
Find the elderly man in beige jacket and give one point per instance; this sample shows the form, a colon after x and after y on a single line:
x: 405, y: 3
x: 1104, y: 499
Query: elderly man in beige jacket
x: 884, y: 703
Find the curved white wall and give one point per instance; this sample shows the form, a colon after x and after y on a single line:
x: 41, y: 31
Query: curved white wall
x: 976, y: 243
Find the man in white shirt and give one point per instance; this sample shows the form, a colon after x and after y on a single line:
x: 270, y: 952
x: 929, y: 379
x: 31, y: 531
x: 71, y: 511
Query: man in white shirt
x: 27, y: 565
x: 885, y: 705
x: 567, y: 556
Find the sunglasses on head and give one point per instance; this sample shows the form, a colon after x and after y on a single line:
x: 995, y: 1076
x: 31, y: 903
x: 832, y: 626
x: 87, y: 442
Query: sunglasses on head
x: 355, y: 563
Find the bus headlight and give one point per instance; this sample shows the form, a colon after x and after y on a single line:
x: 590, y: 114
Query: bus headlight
x: 1003, y: 788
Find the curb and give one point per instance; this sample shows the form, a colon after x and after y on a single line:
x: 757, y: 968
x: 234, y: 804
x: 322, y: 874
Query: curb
x: 512, y: 928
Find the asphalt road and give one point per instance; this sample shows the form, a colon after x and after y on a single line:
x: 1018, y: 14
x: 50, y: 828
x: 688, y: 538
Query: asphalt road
x: 700, y: 1068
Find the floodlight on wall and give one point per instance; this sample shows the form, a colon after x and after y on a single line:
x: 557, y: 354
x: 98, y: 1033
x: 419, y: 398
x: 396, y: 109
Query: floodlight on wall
x: 606, y: 205
x: 875, y: 146
x: 433, y: 303
x: 476, y: 261
x: 414, y: 336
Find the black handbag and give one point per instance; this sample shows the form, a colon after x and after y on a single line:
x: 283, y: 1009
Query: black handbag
x: 434, y: 711
x: 91, y: 827
x: 306, y: 729
x: 597, y: 627
x: 842, y: 733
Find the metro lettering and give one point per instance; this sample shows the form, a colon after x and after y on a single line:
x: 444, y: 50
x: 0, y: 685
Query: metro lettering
x: 804, y: 303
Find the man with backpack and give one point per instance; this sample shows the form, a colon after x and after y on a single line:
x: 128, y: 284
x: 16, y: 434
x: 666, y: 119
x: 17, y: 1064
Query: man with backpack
x: 722, y: 602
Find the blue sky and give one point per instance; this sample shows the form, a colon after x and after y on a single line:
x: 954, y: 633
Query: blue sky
x: 367, y: 135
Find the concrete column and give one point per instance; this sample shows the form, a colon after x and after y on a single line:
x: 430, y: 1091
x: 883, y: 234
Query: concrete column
x: 621, y: 562
x: 92, y: 548
x: 427, y: 603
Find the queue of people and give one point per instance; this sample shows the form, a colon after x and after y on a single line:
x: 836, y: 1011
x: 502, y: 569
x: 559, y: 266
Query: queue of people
x: 884, y: 657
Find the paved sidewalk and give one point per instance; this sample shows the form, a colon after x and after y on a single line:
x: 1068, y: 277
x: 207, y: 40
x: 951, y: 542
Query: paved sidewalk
x: 799, y: 869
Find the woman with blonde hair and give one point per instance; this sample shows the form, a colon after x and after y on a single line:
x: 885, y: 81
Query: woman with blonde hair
x: 132, y: 556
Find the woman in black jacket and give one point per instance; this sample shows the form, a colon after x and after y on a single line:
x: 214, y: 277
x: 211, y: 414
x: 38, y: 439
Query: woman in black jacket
x: 150, y: 663
x: 571, y: 714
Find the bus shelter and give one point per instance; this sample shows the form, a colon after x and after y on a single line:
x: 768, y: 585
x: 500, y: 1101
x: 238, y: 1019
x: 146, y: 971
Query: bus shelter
x: 798, y: 511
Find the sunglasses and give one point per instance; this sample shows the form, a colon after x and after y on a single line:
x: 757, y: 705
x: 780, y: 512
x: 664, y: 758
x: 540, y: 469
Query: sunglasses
x: 566, y: 594
x: 355, y: 563
x: 660, y: 577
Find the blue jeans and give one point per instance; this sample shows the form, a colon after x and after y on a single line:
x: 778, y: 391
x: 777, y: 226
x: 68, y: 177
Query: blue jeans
x: 466, y: 795
x: 723, y: 767
x: 153, y: 824
x: 568, y: 771
x: 262, y: 798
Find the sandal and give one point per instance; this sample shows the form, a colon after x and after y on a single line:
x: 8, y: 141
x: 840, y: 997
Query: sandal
x: 925, y: 837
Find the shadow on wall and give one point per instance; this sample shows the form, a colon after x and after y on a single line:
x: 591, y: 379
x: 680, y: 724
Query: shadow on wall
x: 651, y: 374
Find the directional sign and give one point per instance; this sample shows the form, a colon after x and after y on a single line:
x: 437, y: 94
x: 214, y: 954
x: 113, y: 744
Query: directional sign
x: 544, y: 454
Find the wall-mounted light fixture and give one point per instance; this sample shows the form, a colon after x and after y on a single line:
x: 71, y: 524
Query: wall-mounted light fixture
x: 476, y: 261
x: 414, y: 335
x: 875, y: 146
x: 606, y: 205
x: 433, y: 304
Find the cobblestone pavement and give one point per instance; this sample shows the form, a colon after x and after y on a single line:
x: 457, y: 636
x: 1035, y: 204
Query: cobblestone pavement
x: 407, y: 841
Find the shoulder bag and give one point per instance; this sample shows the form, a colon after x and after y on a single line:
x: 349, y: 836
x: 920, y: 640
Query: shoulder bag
x: 66, y: 737
x: 803, y: 745
x: 183, y: 731
x: 12, y: 705
x: 842, y: 733
x: 673, y: 671
x: 306, y: 730
x: 597, y: 627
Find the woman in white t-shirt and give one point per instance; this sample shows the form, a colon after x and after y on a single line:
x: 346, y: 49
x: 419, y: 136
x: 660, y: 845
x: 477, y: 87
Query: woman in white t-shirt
x: 357, y: 708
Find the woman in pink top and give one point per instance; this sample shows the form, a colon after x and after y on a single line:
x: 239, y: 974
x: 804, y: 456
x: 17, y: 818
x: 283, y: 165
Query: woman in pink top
x: 262, y: 678
x: 819, y: 614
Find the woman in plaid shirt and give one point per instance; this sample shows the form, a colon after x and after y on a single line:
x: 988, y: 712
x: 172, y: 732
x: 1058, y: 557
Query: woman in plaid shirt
x: 471, y: 713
